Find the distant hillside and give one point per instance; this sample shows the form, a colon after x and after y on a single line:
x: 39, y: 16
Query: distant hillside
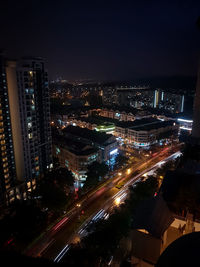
x: 167, y: 82
x: 174, y: 82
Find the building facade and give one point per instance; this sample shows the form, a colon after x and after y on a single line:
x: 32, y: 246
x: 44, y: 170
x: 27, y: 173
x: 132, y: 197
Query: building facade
x: 144, y: 133
x: 30, y: 118
x: 169, y: 101
x: 76, y: 156
x: 8, y: 191
x: 105, y: 143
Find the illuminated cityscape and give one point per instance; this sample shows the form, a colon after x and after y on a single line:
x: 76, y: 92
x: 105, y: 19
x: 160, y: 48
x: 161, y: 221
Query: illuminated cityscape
x: 99, y: 133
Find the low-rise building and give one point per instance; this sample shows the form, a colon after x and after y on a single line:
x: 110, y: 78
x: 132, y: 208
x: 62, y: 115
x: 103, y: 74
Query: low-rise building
x: 94, y: 123
x: 124, y: 113
x: 75, y: 155
x: 155, y: 229
x: 106, y: 143
x: 116, y: 114
x: 145, y: 132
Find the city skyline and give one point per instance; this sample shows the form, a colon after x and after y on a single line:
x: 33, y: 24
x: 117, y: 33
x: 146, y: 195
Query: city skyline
x: 99, y: 133
x: 106, y: 41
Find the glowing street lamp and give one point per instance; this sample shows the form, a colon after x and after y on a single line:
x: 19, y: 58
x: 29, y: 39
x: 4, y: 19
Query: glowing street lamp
x: 128, y: 171
x: 117, y: 201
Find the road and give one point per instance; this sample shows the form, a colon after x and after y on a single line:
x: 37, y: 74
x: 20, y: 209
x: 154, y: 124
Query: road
x: 55, y: 243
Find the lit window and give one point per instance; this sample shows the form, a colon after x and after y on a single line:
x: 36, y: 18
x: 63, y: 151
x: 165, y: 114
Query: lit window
x: 30, y: 135
x: 29, y: 119
x: 4, y: 159
x: 2, y: 136
x: 29, y: 185
x: 5, y: 170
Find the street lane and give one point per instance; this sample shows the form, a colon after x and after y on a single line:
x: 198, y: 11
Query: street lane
x: 65, y: 231
x: 114, y: 201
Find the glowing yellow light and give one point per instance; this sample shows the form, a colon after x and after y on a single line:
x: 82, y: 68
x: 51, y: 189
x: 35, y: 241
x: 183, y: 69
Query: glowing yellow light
x: 128, y: 171
x: 117, y: 201
x: 119, y: 173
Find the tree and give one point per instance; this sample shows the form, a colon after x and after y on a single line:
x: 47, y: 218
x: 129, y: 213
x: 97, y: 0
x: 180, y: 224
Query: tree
x: 52, y: 195
x: 186, y: 195
x: 94, y: 99
x: 63, y: 177
x: 120, y: 160
x: 143, y: 190
x: 24, y: 221
x: 96, y: 171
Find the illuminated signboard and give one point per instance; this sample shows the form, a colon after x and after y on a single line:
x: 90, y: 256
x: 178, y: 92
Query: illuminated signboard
x: 114, y: 151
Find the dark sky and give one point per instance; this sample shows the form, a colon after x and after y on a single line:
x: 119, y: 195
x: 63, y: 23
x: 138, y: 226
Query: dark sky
x: 104, y: 39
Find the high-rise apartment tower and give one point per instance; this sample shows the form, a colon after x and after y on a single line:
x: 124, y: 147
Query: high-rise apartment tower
x: 30, y: 118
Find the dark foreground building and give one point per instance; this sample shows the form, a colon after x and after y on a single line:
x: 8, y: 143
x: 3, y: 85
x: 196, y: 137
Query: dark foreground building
x: 182, y: 252
x: 25, y: 126
x: 7, y: 163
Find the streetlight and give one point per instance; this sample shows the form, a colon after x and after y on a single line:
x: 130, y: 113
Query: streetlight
x: 128, y: 171
x: 117, y: 201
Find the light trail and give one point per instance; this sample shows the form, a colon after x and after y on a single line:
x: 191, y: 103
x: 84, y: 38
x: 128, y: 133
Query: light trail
x: 100, y: 214
x: 121, y: 194
x: 106, y: 216
x: 46, y: 246
x: 58, y: 225
x: 97, y: 214
x: 62, y: 253
x: 173, y: 156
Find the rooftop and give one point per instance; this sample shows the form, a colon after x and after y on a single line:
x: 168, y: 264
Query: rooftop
x: 76, y: 147
x: 152, y: 125
x: 144, y: 124
x: 123, y: 109
x: 154, y: 216
x: 136, y: 123
x: 92, y: 135
x: 98, y: 120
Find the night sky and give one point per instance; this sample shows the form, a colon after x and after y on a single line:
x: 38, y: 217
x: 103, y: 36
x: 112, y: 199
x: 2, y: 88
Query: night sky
x: 104, y: 40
